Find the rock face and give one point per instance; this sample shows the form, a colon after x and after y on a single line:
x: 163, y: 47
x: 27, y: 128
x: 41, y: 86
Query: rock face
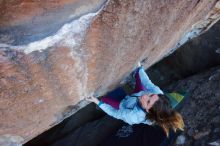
x: 201, y: 109
x: 25, y: 21
x: 196, y: 55
x: 55, y: 53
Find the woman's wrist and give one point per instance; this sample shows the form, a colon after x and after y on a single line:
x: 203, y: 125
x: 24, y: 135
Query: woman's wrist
x: 96, y: 101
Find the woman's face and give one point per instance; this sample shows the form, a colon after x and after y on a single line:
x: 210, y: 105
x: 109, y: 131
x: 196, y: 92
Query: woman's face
x: 148, y: 100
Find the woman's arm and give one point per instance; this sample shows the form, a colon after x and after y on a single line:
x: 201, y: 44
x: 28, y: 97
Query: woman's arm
x: 129, y: 116
x: 147, y: 82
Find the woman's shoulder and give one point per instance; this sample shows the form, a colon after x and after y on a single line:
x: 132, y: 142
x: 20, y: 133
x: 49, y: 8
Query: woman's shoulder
x: 128, y: 102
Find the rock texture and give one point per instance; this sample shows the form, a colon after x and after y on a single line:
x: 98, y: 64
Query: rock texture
x: 196, y: 55
x: 24, y: 21
x: 130, y: 31
x: 54, y: 53
x: 201, y: 109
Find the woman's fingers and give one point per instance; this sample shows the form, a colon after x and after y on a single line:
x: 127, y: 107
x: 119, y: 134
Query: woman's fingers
x: 90, y: 98
x: 139, y: 64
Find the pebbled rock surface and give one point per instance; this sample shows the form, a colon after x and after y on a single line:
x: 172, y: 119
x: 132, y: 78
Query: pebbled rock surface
x: 55, y: 53
x: 201, y: 110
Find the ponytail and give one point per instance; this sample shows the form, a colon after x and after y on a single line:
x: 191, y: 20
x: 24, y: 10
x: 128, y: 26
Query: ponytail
x: 167, y: 118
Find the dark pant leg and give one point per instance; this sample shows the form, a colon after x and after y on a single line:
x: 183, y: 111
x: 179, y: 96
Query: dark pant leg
x: 138, y: 85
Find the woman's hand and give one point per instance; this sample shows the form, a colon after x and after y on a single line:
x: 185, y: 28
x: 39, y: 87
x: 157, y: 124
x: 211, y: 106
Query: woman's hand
x: 92, y: 99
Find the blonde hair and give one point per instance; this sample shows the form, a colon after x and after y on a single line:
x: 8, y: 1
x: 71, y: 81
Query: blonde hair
x: 166, y: 117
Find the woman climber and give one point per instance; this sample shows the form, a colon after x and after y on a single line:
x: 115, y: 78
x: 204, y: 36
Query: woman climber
x: 147, y: 104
